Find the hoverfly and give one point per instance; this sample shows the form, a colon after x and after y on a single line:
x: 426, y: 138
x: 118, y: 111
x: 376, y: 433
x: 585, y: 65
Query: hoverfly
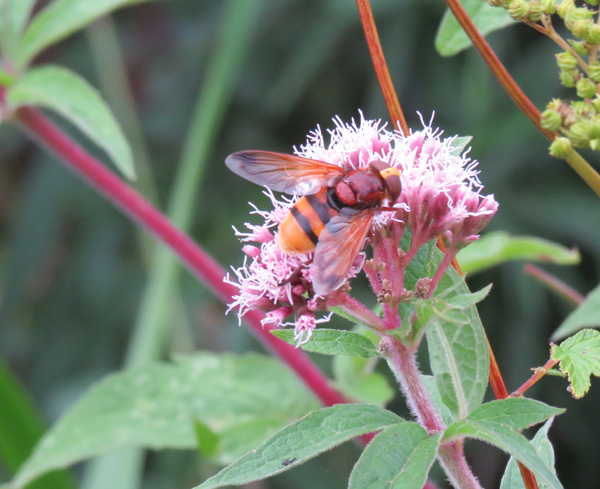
x: 334, y: 214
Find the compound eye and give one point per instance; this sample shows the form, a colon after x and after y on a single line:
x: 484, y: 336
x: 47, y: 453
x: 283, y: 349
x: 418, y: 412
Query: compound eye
x: 378, y: 165
x: 391, y: 178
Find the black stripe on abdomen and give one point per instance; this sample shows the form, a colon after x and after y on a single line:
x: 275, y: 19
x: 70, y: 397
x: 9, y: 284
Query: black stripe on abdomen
x: 304, y: 223
x: 320, y: 205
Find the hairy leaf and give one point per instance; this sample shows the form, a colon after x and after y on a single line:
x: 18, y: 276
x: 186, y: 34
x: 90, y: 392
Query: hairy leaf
x: 500, y: 247
x: 333, y: 342
x: 587, y: 315
x: 579, y: 358
x: 315, y: 433
x: 61, y: 18
x: 517, y: 413
x: 451, y: 39
x: 398, y: 457
x: 512, y: 478
x: 13, y: 17
x: 155, y: 406
x: 69, y: 95
x: 511, y: 442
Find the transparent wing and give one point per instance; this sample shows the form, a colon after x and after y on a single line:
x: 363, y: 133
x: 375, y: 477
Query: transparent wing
x: 282, y: 172
x: 339, y: 244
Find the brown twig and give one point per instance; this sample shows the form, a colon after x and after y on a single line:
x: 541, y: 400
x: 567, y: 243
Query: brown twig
x: 381, y: 68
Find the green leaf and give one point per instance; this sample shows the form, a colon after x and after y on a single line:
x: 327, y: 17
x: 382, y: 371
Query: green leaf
x: 60, y: 19
x: 517, y: 413
x: 333, y: 342
x: 154, y: 406
x: 469, y: 299
x: 398, y: 457
x: 451, y: 38
x: 458, y: 354
x: 356, y: 379
x: 20, y: 429
x: 456, y: 341
x: 315, y: 433
x: 499, y: 247
x: 434, y: 394
x: 459, y: 144
x: 512, y: 475
x: 13, y: 17
x: 208, y: 441
x: 509, y: 441
x: 579, y: 358
x: 69, y: 95
x: 587, y: 315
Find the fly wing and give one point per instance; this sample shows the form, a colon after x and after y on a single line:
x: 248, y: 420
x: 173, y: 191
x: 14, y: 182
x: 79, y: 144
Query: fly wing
x: 284, y: 173
x: 339, y: 244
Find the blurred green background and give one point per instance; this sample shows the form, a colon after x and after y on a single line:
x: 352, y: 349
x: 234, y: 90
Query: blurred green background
x: 72, y: 267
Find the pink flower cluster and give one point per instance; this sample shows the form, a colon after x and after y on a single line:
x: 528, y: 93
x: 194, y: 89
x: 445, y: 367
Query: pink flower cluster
x: 440, y: 197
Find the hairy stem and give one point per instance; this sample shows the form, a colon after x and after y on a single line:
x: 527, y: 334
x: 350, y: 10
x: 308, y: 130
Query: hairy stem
x: 403, y: 363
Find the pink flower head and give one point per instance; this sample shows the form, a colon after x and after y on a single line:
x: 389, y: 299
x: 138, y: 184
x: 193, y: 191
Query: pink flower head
x: 440, y: 196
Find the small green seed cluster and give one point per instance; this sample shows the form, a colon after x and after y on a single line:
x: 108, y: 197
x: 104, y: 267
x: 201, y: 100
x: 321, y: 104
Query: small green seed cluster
x: 577, y: 120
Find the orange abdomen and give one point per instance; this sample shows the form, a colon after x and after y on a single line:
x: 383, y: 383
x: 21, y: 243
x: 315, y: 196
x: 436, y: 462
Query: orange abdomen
x: 300, y: 230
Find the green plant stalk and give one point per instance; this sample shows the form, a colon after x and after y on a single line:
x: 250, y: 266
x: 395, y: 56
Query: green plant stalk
x: 213, y: 99
x: 151, y: 330
x: 112, y: 74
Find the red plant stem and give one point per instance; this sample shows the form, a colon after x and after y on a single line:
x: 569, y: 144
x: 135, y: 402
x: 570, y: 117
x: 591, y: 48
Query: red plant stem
x: 381, y: 68
x: 537, y: 375
x: 497, y: 68
x: 555, y: 284
x: 190, y: 253
x: 496, y: 380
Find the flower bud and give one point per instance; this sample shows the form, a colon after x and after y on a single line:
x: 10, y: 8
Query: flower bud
x: 566, y: 61
x: 596, y: 103
x: 579, y: 133
x: 592, y: 34
x: 551, y: 120
x: 579, y: 47
x: 518, y: 9
x: 586, y: 88
x: 554, y: 104
x: 581, y: 28
x: 564, y: 7
x: 575, y: 14
x: 548, y: 6
x: 594, y: 144
x: 580, y: 108
x: 567, y: 79
x: 536, y: 11
x: 560, y: 147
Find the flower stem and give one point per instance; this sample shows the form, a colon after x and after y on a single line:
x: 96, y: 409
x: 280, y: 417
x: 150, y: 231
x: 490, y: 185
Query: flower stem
x: 452, y: 459
x: 356, y: 310
x: 555, y: 284
x: 537, y: 375
x: 193, y: 256
x: 403, y: 363
x: 381, y: 68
